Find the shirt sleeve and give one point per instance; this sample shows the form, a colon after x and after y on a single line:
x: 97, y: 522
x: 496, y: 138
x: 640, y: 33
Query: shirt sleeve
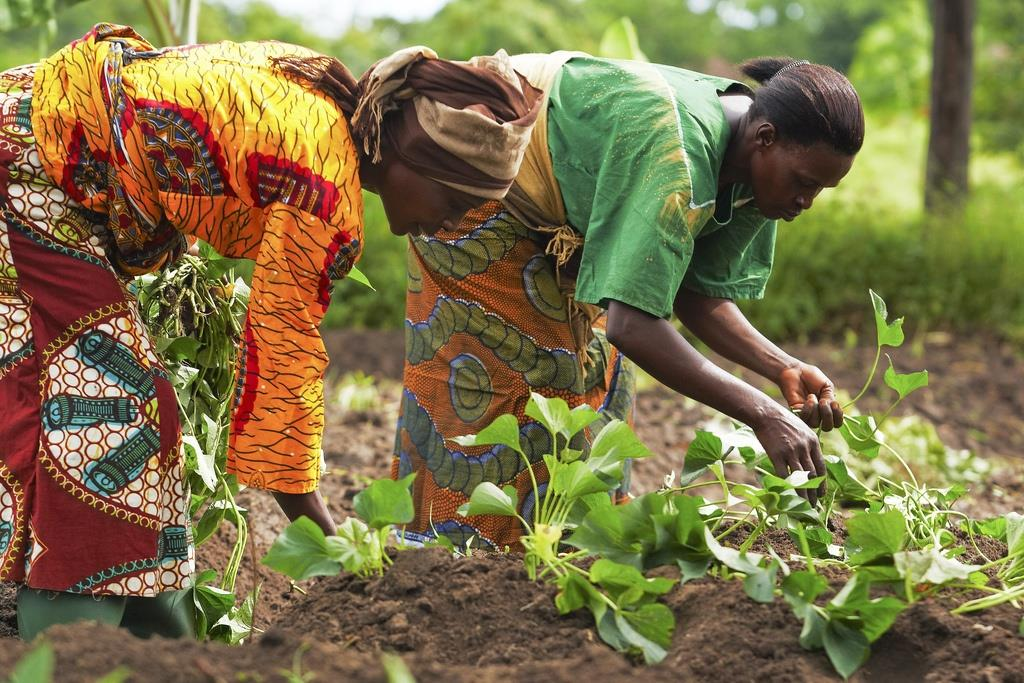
x: 278, y: 421
x: 734, y: 261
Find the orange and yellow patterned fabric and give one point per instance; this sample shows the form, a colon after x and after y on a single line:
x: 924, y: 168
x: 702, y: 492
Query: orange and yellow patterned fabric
x: 212, y: 141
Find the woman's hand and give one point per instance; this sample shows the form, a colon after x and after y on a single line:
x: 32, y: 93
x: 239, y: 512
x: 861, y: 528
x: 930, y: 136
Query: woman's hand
x: 656, y: 346
x: 792, y: 446
x: 721, y: 325
x: 807, y: 389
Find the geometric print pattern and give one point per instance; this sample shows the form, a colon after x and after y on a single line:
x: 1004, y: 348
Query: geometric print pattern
x: 274, y: 179
x: 92, y: 498
x: 183, y: 153
x: 101, y: 426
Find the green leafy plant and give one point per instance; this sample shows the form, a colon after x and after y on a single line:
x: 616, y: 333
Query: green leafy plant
x: 900, y: 545
x: 844, y: 626
x: 36, y: 666
x: 395, y: 669
x: 303, y: 551
x: 575, y: 483
x: 357, y: 391
x: 194, y: 310
x: 621, y: 599
x: 1010, y: 570
x: 620, y: 41
x: 623, y: 602
x: 861, y: 431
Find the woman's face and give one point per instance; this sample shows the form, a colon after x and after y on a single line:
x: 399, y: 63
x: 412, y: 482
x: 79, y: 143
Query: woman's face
x: 786, y: 176
x: 416, y: 205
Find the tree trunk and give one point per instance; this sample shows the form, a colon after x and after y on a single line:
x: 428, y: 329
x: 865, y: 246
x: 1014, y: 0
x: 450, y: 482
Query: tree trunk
x: 950, y: 125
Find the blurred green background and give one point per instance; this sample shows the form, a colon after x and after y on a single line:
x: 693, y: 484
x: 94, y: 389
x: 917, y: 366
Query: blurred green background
x: 955, y: 271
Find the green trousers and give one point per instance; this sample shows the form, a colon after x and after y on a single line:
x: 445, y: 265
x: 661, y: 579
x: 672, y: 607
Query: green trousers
x: 170, y: 614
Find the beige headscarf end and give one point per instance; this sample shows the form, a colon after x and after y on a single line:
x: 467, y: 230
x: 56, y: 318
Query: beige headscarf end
x: 381, y: 94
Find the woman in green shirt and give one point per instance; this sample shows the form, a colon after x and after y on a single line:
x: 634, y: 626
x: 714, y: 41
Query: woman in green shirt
x: 647, y: 191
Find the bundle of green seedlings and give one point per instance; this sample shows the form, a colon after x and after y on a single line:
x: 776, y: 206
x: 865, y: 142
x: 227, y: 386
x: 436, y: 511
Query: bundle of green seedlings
x: 194, y: 310
x: 901, y: 544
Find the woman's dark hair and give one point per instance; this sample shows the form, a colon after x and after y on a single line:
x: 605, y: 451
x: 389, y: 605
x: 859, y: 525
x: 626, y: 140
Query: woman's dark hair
x: 807, y: 103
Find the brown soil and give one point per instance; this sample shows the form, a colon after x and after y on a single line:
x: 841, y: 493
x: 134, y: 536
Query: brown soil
x: 8, y: 615
x: 973, y: 396
x: 481, y: 619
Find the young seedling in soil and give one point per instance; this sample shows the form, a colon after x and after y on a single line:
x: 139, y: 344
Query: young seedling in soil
x: 902, y: 541
x: 621, y: 599
x: 1010, y: 572
x: 899, y: 547
x: 302, y: 551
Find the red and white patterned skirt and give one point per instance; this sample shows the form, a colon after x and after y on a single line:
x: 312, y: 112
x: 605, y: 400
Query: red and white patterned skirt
x: 92, y: 498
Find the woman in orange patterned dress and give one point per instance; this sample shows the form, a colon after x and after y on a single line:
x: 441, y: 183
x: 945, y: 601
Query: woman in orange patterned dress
x: 113, y: 156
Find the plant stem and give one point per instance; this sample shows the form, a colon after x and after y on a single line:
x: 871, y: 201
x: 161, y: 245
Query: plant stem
x: 234, y: 562
x: 973, y: 587
x: 561, y: 511
x: 990, y: 601
x: 995, y: 563
x: 541, y: 506
x: 902, y: 462
x: 569, y: 557
x: 885, y: 415
x: 970, y: 535
x: 536, y: 489
x: 871, y: 377
x: 740, y: 522
x: 805, y: 548
x: 749, y: 541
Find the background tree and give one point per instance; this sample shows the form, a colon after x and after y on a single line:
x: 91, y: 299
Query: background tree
x: 950, y: 117
x: 999, y: 78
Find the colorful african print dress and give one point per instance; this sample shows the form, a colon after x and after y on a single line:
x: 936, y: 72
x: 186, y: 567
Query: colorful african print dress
x: 636, y: 150
x: 91, y: 492
x: 112, y: 153
x: 486, y: 325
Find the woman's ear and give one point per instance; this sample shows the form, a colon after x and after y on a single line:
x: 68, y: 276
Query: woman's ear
x: 764, y: 136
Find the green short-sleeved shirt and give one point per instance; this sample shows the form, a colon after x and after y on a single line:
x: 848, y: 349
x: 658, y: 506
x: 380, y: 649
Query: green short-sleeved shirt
x: 636, y: 149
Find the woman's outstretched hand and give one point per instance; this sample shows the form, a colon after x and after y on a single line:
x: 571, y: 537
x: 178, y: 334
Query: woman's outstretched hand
x: 807, y: 389
x: 792, y: 446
